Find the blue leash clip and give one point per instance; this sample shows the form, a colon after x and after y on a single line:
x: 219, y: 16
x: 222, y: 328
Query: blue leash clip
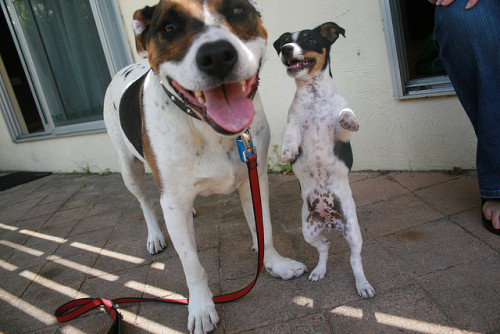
x: 245, y: 146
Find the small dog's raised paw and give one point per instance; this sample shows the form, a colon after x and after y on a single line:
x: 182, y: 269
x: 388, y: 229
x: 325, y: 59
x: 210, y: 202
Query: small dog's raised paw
x: 348, y: 120
x: 288, y: 155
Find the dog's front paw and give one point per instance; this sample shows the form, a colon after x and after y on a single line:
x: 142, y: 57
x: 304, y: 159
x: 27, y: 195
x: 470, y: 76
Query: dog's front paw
x: 156, y: 243
x: 203, y: 317
x: 348, y: 120
x: 289, y: 153
x: 365, y: 290
x: 282, y: 267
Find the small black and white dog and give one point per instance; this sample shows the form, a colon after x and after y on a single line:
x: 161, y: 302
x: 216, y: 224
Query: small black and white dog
x: 316, y: 142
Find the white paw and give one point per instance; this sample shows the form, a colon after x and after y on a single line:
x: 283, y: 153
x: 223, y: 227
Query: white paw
x: 203, y: 317
x: 365, y: 290
x: 289, y: 154
x: 317, y: 274
x: 348, y: 120
x: 156, y: 243
x: 284, y: 268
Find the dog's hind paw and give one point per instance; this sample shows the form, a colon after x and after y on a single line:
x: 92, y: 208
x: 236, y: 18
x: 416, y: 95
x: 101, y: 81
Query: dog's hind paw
x: 156, y: 244
x: 317, y: 274
x: 365, y: 290
x: 348, y: 120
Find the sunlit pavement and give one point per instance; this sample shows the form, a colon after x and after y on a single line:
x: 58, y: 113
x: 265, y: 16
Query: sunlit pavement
x: 434, y: 267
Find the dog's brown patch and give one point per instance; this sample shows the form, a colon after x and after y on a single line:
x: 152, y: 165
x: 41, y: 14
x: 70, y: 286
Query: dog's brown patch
x: 150, y: 157
x: 173, y: 28
x: 242, y: 19
x: 320, y: 60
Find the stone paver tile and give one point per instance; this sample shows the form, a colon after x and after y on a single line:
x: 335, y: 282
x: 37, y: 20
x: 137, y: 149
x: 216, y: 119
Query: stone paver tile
x: 471, y: 221
x: 60, y: 230
x: 166, y: 278
x: 395, y: 214
x: 122, y: 256
x: 434, y: 246
x: 35, y: 310
x: 31, y: 224
x: 271, y: 301
x: 418, y: 180
x: 10, y: 213
x: 70, y: 271
x: 122, y: 283
x: 12, y: 283
x: 64, y: 216
x: 96, y: 222
x: 82, y: 243
x: 375, y: 189
x: 359, y: 176
x: 159, y: 318
x: 466, y: 291
x: 453, y: 196
x: 42, y: 209
x: 126, y: 232
x: 407, y: 309
x: 316, y: 323
x: 27, y: 256
x: 339, y: 287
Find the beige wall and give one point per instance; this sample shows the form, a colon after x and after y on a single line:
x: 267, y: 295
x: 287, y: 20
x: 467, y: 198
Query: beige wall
x: 418, y: 134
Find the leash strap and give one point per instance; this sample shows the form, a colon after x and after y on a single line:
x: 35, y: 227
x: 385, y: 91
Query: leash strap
x: 77, y: 307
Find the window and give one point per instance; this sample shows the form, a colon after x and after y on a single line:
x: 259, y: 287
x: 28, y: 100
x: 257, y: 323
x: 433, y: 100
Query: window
x: 60, y: 58
x: 416, y: 68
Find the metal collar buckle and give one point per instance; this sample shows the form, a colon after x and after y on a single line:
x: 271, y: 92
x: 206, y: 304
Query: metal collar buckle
x: 245, y: 145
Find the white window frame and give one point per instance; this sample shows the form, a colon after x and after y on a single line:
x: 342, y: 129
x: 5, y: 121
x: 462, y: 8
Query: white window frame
x: 404, y: 87
x: 117, y: 52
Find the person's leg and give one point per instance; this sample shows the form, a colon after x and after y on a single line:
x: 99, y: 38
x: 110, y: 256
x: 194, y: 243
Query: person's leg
x: 469, y: 46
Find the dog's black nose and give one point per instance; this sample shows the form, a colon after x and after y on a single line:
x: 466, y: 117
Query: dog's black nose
x: 217, y: 58
x: 287, y: 50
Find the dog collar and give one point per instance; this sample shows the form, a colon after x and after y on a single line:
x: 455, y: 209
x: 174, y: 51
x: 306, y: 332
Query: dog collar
x: 178, y: 102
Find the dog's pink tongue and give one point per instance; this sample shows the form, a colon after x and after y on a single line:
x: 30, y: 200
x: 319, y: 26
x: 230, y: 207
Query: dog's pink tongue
x: 229, y: 107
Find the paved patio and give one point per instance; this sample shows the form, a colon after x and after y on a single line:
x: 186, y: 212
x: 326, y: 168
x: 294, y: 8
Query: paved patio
x: 434, y: 267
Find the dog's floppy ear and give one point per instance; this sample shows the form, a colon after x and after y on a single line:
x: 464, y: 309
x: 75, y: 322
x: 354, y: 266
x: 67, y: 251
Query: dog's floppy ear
x: 279, y: 42
x: 330, y: 31
x: 254, y: 3
x: 140, y: 24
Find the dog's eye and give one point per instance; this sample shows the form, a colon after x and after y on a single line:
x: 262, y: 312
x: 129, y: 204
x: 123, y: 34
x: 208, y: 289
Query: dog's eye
x: 310, y: 40
x: 170, y: 27
x: 238, y: 11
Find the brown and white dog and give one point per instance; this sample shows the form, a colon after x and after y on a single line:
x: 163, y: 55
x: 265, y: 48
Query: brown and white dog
x: 316, y: 142
x: 182, y: 118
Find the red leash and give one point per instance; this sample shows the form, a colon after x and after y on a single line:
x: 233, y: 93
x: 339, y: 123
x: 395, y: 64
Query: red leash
x: 78, y: 307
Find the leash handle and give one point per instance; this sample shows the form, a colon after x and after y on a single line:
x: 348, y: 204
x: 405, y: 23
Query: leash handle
x: 77, y: 307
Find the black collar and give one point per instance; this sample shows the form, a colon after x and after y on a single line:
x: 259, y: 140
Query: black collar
x: 178, y: 102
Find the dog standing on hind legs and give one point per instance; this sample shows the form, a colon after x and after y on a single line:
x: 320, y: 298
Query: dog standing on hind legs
x: 316, y: 142
x: 181, y: 115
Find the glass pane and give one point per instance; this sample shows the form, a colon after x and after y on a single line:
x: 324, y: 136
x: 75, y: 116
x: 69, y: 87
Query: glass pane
x: 69, y: 61
x: 422, y: 55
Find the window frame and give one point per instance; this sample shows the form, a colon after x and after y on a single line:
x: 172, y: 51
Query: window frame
x: 404, y: 87
x: 117, y: 52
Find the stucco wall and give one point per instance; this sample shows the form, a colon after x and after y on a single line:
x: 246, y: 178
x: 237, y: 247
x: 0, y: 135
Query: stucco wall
x: 419, y: 134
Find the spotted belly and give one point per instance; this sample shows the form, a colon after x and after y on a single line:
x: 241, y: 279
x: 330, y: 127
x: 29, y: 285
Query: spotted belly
x: 324, y: 210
